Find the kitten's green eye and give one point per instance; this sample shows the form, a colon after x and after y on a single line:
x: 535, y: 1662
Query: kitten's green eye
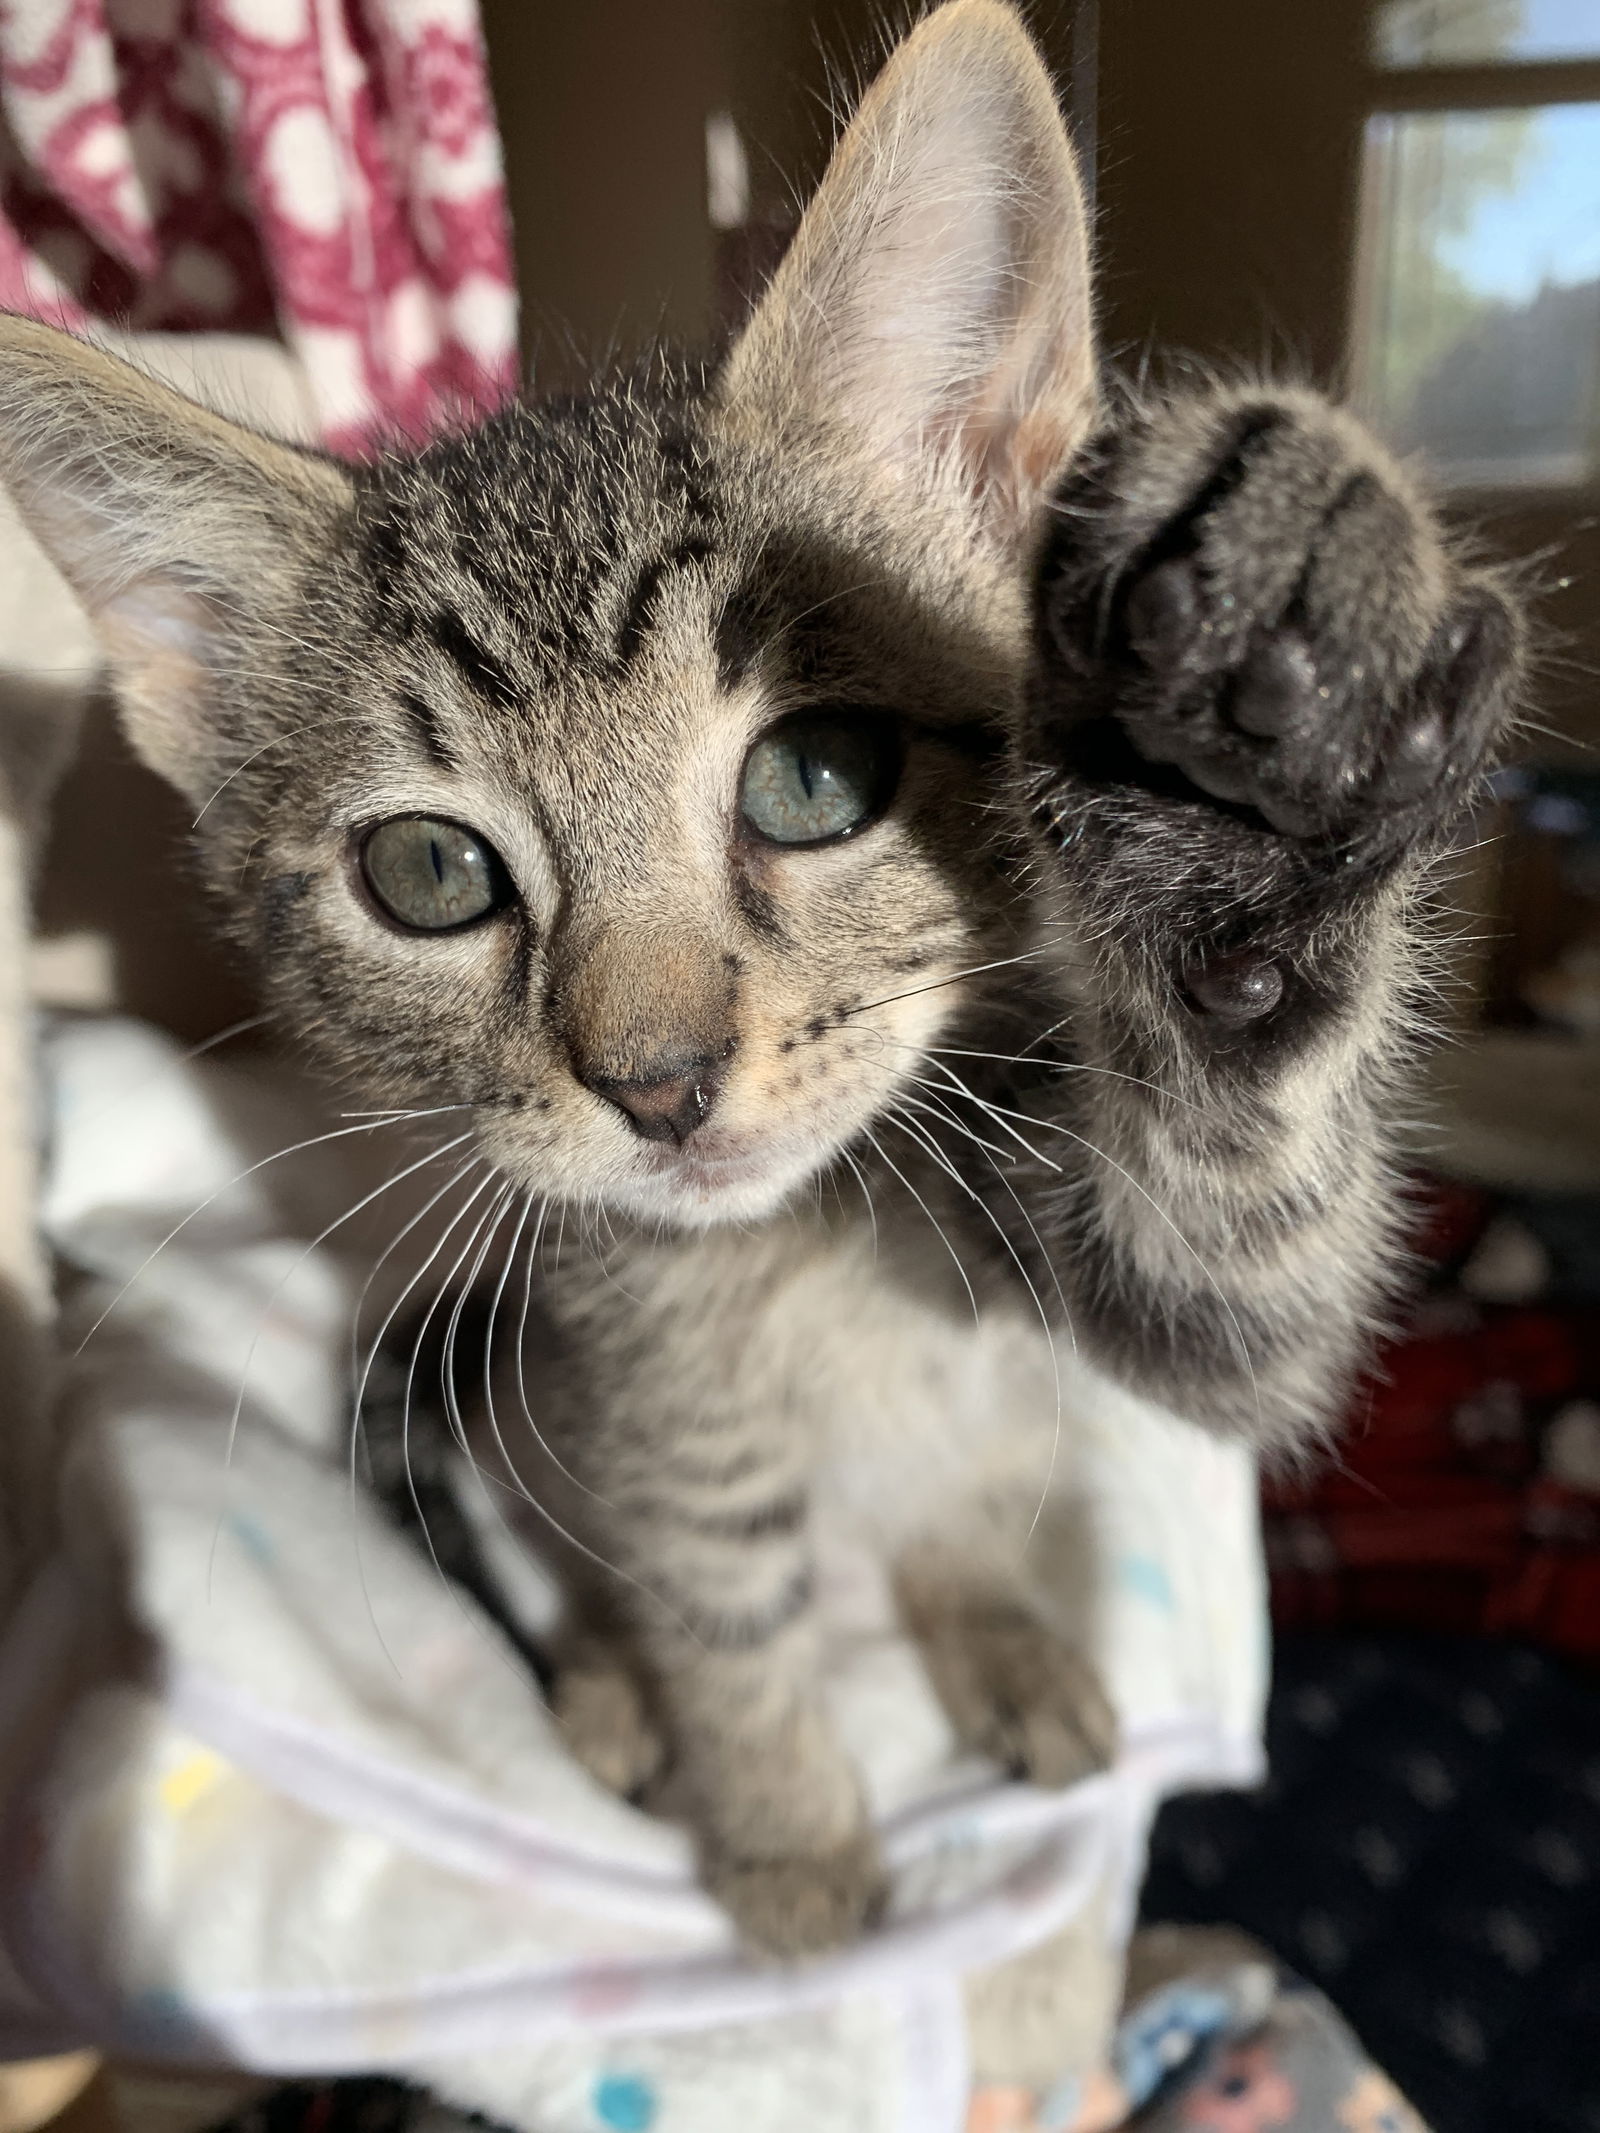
x: 432, y: 875
x: 816, y: 777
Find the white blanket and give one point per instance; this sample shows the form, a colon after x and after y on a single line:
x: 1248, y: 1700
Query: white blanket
x: 273, y: 1793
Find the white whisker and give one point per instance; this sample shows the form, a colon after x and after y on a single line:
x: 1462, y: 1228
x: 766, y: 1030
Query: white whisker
x: 518, y: 1482
x: 1044, y: 1320
x: 490, y: 1214
x: 1004, y: 962
x: 317, y: 1140
x: 860, y: 1177
x: 522, y: 1378
x: 345, y: 718
x: 1057, y: 1066
x: 434, y: 1155
x: 399, y: 1303
x: 938, y: 1228
x: 1051, y: 1126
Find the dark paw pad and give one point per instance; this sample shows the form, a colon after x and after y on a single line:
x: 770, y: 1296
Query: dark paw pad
x: 1290, y: 641
x: 1233, y: 988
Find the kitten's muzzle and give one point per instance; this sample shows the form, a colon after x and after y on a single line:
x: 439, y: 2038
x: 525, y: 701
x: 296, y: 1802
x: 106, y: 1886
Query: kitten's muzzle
x: 666, y: 1105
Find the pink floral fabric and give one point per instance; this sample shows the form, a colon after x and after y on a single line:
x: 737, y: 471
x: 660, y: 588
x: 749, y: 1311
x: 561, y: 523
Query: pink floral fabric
x: 328, y: 170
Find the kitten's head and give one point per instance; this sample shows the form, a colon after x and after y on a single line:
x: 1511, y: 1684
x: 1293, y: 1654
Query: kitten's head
x: 629, y: 769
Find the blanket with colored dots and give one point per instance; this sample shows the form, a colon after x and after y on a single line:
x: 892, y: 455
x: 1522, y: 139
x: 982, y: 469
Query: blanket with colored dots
x: 1213, y: 2039
x: 276, y: 1795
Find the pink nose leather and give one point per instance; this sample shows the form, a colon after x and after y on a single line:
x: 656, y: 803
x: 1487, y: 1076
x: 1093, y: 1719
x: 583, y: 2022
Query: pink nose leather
x: 664, y: 1107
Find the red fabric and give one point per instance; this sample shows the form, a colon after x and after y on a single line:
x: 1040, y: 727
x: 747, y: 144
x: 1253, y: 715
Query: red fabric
x: 326, y: 169
x: 1437, y: 1512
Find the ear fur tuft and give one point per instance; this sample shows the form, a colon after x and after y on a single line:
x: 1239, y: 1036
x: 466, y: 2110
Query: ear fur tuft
x: 173, y: 526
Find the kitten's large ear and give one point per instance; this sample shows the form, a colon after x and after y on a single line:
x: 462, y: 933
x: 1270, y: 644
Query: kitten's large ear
x: 934, y: 308
x: 179, y: 531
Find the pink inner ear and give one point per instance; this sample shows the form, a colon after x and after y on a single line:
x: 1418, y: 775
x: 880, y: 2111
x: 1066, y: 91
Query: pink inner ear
x: 167, y: 618
x: 935, y: 307
x: 160, y: 642
x: 1016, y: 457
x: 156, y: 656
x: 1041, y: 446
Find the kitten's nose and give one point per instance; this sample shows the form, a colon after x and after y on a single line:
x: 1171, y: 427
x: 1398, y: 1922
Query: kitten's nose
x: 667, y: 1105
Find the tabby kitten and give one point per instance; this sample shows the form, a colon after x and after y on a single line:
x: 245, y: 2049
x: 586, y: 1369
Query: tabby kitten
x: 927, y: 858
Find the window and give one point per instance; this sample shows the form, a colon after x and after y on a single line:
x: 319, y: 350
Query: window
x: 1432, y: 33
x: 1477, y: 324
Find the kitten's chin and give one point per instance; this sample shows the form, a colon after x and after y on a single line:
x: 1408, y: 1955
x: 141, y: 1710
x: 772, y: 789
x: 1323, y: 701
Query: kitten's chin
x: 701, y: 1188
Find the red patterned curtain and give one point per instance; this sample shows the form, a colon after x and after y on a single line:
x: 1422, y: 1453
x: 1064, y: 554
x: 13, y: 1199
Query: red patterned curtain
x: 327, y: 170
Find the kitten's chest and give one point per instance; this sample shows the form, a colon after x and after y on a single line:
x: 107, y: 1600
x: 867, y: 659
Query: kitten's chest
x: 919, y: 1409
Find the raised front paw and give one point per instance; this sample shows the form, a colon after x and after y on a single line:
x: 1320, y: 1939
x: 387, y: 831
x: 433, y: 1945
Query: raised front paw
x: 1017, y: 1692
x: 1244, y: 597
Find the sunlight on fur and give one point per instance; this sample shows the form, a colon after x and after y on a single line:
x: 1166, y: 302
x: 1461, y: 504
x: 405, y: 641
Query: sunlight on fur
x: 884, y: 885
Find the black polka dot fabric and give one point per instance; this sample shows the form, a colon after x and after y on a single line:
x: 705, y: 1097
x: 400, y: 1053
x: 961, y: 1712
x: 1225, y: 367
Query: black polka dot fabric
x: 1427, y: 1851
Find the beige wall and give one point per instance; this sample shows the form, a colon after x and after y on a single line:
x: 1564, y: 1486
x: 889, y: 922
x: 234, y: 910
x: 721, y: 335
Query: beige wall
x: 602, y: 108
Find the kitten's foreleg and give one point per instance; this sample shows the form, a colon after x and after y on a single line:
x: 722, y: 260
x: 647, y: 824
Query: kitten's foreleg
x: 1012, y: 1687
x: 708, y: 1515
x: 765, y: 1781
x: 1262, y: 692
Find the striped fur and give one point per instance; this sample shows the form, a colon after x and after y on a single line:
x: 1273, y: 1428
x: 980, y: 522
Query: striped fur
x: 1071, y: 1074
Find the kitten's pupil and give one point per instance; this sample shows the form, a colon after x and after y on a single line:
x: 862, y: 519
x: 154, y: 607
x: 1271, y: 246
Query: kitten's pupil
x: 432, y: 876
x: 818, y: 776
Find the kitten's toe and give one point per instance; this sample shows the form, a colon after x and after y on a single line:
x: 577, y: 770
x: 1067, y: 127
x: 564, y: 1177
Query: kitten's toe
x: 802, y: 1906
x: 1252, y: 607
x: 1021, y: 1695
x: 602, y: 1715
x: 1164, y: 614
x: 1273, y: 731
x: 1447, y: 725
